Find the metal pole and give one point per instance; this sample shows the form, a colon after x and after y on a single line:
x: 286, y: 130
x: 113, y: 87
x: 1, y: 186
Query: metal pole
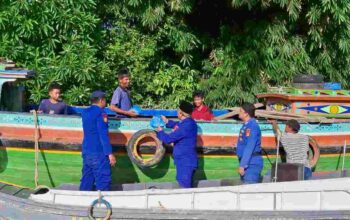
x: 344, y: 153
x: 277, y: 155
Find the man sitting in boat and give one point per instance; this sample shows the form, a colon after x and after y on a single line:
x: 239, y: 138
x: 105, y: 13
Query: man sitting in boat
x: 294, y: 144
x: 121, y: 102
x: 201, y: 111
x: 53, y: 105
x: 96, y: 148
x: 184, y: 137
x: 249, y: 146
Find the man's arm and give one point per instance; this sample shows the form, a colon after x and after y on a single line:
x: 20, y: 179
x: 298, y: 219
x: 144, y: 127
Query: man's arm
x: 174, y: 136
x: 121, y: 111
x: 275, y: 128
x: 169, y: 123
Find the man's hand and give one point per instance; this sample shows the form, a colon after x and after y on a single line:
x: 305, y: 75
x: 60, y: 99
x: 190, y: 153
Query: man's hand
x: 241, y: 171
x: 165, y: 119
x: 131, y: 114
x: 112, y: 160
x: 159, y: 129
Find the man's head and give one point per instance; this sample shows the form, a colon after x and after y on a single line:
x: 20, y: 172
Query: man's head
x: 198, y: 98
x: 55, y: 91
x: 292, y: 126
x: 124, y: 78
x: 185, y: 110
x: 246, y: 112
x: 98, y: 98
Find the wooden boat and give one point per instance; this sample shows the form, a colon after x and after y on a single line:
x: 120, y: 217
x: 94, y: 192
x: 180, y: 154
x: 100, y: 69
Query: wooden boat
x: 46, y: 148
x: 60, y: 140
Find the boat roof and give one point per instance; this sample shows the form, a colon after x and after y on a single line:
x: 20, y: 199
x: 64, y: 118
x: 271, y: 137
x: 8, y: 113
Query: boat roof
x: 16, y: 73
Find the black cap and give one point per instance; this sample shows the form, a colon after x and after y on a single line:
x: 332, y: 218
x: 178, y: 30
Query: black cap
x: 186, y: 107
x: 294, y: 124
x: 98, y: 94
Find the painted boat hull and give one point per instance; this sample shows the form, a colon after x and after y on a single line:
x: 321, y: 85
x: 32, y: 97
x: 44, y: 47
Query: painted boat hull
x: 61, y: 137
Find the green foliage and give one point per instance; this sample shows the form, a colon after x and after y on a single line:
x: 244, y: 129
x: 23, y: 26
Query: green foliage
x: 57, y: 40
x: 231, y: 49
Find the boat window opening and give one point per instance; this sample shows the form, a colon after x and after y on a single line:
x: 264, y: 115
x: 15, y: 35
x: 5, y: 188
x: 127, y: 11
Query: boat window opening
x: 12, y: 96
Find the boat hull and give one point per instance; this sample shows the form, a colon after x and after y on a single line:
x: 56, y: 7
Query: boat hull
x: 313, y: 195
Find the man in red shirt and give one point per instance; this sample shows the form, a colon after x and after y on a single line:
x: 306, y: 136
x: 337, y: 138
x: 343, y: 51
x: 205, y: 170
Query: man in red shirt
x: 201, y: 111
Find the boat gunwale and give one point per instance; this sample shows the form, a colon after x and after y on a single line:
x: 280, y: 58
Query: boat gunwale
x: 270, y: 187
x: 292, y: 97
x: 231, y: 121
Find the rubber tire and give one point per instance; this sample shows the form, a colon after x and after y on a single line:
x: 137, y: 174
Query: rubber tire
x: 158, y: 156
x: 314, y: 152
x: 308, y: 85
x: 307, y: 78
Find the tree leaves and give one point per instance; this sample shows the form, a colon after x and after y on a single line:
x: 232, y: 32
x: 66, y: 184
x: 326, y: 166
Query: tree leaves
x: 173, y: 47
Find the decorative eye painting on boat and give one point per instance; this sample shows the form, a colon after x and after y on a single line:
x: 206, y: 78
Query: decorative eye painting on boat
x: 333, y: 109
x: 279, y: 106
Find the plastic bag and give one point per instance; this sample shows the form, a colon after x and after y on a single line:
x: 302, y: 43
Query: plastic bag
x: 156, y: 122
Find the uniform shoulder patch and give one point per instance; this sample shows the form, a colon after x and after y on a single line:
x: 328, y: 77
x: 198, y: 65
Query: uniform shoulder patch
x: 105, y: 117
x: 247, y: 132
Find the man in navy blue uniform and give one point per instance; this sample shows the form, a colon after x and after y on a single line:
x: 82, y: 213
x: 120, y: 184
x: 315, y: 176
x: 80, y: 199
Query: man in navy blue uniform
x: 97, y: 150
x: 249, y: 146
x: 184, y: 138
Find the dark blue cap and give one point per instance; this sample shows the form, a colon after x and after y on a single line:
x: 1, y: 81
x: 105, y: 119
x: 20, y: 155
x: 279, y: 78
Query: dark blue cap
x: 98, y: 94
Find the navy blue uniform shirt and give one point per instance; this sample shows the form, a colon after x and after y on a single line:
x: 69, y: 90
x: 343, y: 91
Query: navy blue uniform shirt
x: 249, y: 144
x: 95, y: 127
x: 184, y: 138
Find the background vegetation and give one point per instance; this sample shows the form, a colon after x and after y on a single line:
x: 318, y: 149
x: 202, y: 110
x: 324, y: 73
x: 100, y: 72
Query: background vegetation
x: 230, y: 49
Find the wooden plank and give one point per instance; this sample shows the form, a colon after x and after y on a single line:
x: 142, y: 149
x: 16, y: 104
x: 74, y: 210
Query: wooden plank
x: 281, y: 114
x: 286, y: 118
x: 235, y: 111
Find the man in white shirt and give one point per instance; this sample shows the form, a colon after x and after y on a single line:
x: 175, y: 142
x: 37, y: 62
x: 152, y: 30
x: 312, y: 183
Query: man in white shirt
x: 295, y: 145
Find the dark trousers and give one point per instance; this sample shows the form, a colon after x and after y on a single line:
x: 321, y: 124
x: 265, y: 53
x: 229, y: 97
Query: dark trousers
x: 252, y: 174
x: 96, y: 173
x: 184, y: 175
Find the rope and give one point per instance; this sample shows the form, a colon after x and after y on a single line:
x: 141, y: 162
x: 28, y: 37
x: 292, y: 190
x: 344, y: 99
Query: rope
x: 36, y: 153
x: 36, y: 146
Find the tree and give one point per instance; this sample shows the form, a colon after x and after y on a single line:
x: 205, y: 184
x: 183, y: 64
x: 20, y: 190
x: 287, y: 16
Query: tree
x: 231, y: 49
x: 57, y: 39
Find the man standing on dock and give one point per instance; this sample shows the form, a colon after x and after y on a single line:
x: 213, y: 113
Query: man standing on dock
x: 184, y: 137
x: 121, y: 102
x: 249, y: 146
x: 97, y: 150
